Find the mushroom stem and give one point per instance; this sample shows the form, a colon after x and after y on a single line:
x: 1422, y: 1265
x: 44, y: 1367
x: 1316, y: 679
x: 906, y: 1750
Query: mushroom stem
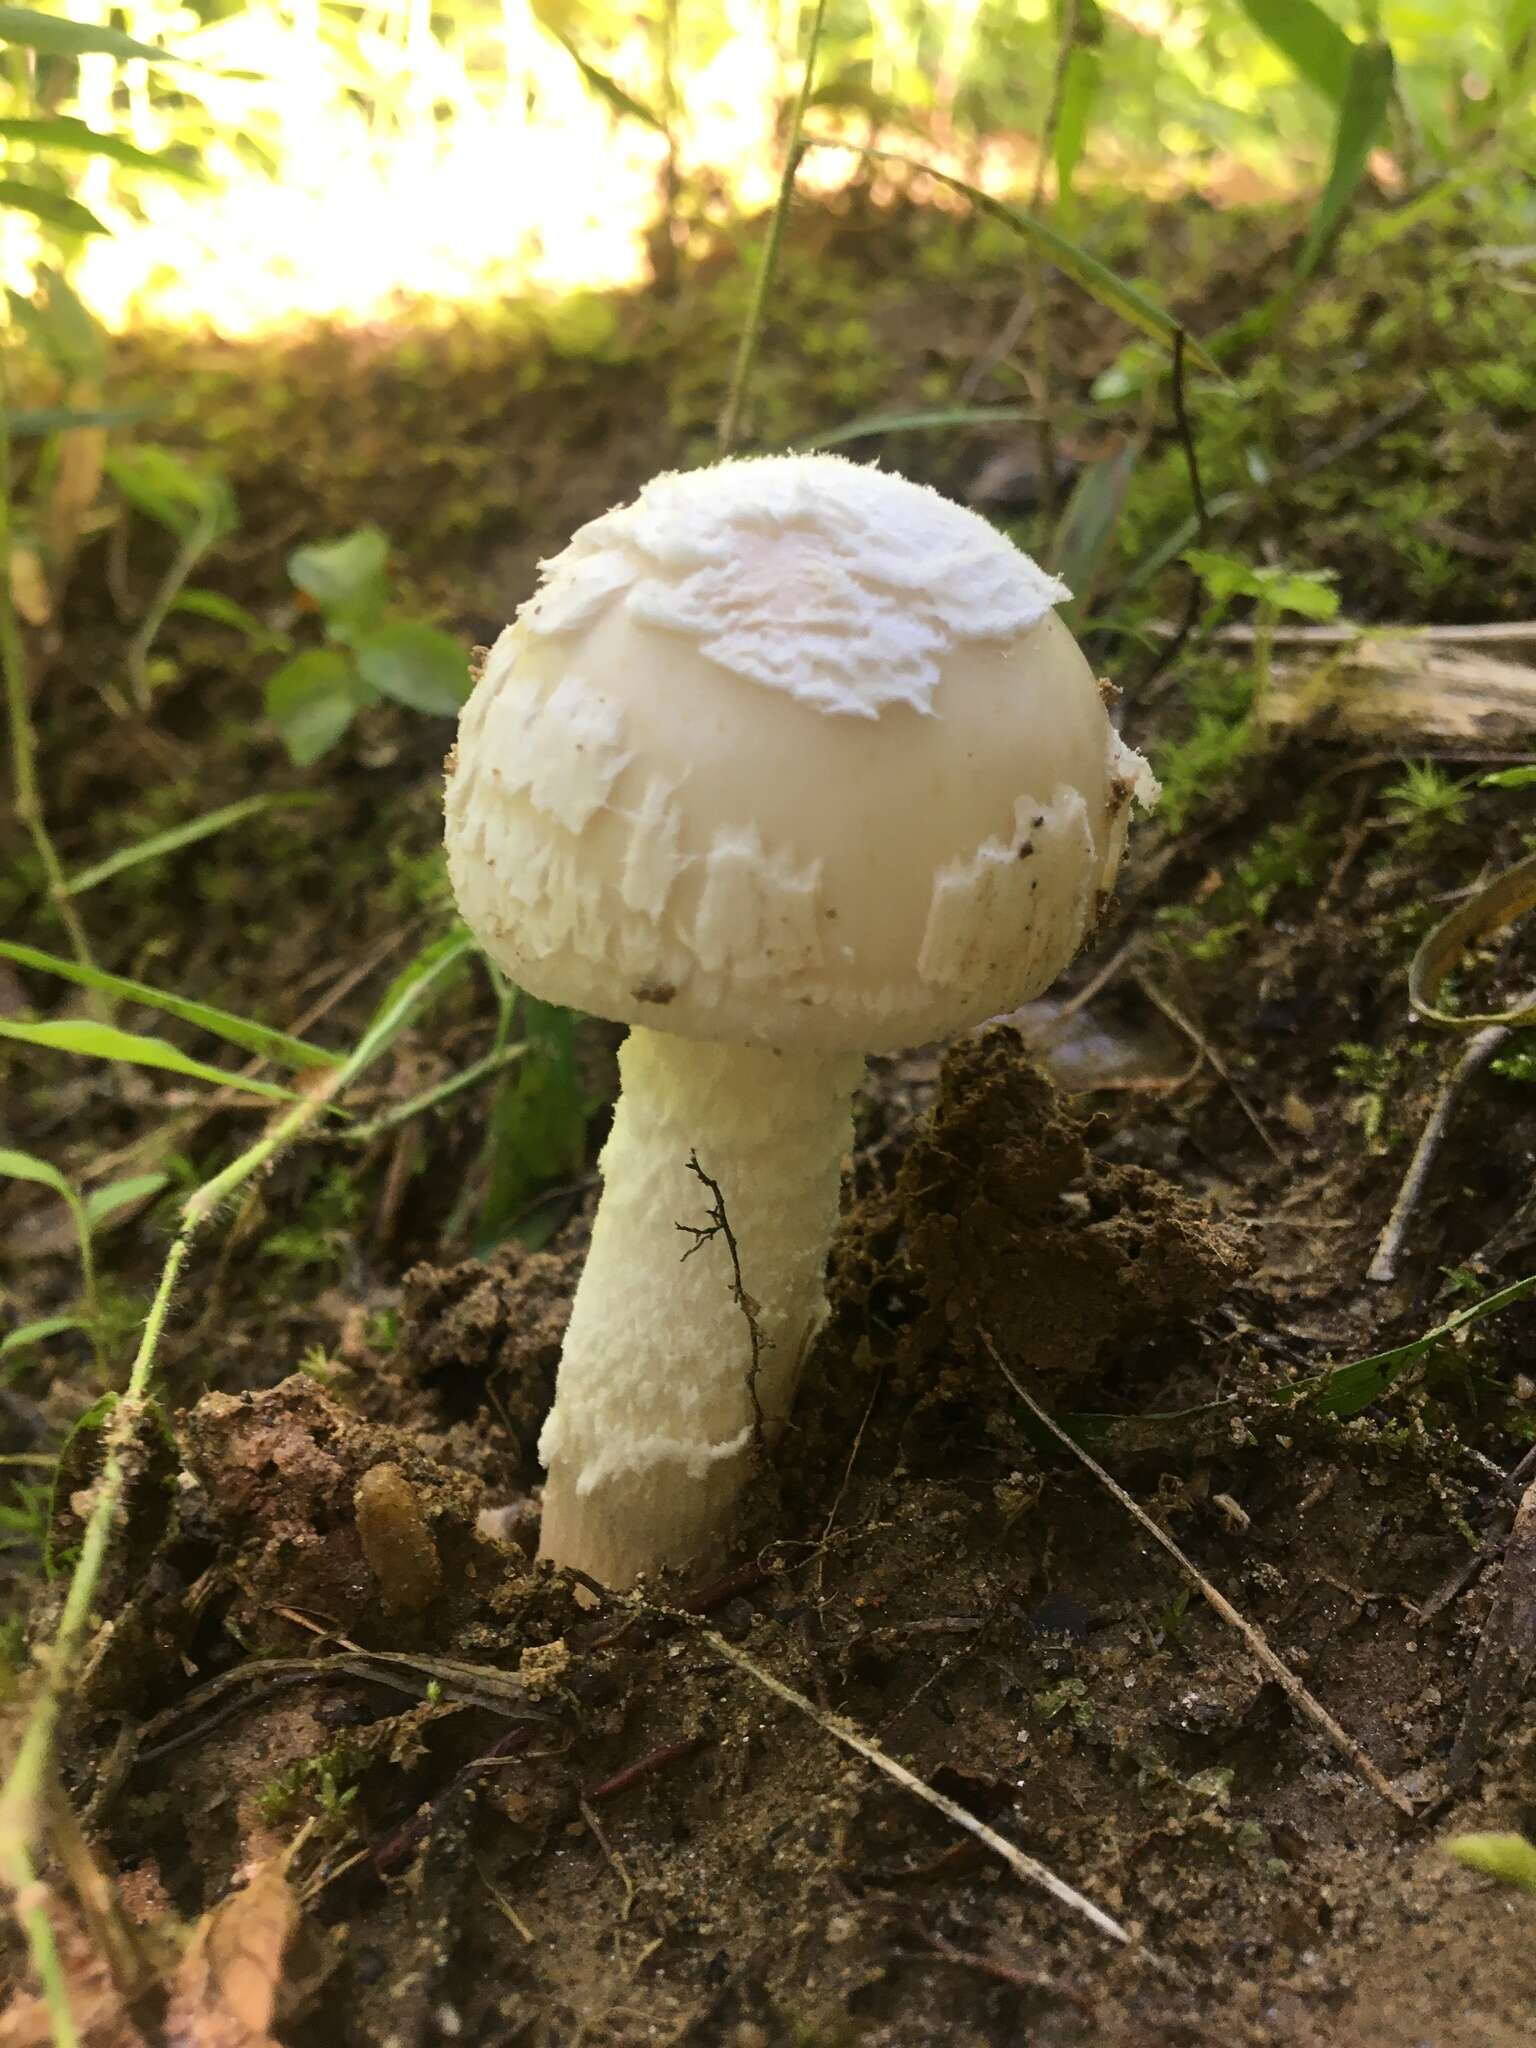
x: 651, y: 1436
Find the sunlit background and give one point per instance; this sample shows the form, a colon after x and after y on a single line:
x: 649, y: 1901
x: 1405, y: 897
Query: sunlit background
x: 334, y: 157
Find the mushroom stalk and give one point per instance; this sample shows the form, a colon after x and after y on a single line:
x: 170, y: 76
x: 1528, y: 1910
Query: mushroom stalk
x: 651, y: 1437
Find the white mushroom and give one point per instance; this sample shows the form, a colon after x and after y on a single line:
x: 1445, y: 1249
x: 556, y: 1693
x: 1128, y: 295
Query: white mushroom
x: 787, y: 762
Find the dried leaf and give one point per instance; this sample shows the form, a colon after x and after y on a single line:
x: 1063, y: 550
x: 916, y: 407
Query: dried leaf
x: 227, y: 1986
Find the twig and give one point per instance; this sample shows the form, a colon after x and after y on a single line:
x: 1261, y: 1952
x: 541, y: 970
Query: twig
x: 1005, y: 1973
x: 1480, y: 1050
x: 1346, y: 635
x: 1202, y: 1044
x: 644, y: 1767
x: 22, y: 1788
x: 719, y: 1226
x: 751, y: 334
x: 614, y: 1859
x: 845, y: 1732
x: 1252, y: 1635
x: 842, y: 1488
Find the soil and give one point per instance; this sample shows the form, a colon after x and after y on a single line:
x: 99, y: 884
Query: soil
x: 530, y: 1812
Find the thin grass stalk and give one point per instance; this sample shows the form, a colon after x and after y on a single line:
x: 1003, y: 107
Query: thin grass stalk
x: 751, y: 334
x: 21, y: 1792
x: 1040, y: 321
x: 13, y: 661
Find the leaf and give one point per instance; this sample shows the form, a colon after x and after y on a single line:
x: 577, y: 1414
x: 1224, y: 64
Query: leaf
x: 1510, y: 1858
x: 345, y: 577
x: 1308, y: 39
x: 55, y: 36
x: 538, y: 1129
x: 312, y: 700
x: 1508, y: 778
x: 242, y: 1031
x: 606, y: 87
x: 187, y: 501
x: 212, y: 604
x: 104, y: 1202
x: 62, y: 328
x: 416, y: 665
x: 1498, y: 903
x: 1362, y: 115
x: 1307, y: 591
x: 1082, y: 539
x: 1096, y: 278
x: 62, y: 131
x: 225, y: 1989
x: 57, y: 209
x: 132, y: 1048
x: 1346, y: 1390
x: 1079, y: 89
x: 25, y: 1166
x: 28, y: 1334
x: 936, y: 420
x: 442, y: 959
x: 55, y: 419
x: 186, y: 834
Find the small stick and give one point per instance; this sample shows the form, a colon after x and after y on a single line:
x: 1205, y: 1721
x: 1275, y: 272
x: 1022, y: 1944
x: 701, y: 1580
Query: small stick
x: 614, y: 1859
x: 1005, y: 1973
x: 1480, y: 1050
x: 719, y: 1226
x: 643, y: 1767
x: 853, y: 1738
x: 1202, y: 1044
x: 1304, y: 1702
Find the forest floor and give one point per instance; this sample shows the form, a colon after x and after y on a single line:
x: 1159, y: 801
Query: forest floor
x: 1154, y: 1200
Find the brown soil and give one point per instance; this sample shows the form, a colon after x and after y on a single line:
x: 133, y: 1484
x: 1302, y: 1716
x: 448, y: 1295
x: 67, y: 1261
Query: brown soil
x: 536, y: 1819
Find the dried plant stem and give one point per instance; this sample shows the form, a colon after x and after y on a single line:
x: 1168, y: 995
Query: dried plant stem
x: 1389, y: 1250
x: 1304, y: 1702
x: 21, y: 1792
x: 843, y: 1731
x: 751, y: 334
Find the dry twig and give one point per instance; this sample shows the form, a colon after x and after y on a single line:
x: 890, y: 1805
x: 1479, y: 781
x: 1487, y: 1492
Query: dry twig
x: 1480, y: 1050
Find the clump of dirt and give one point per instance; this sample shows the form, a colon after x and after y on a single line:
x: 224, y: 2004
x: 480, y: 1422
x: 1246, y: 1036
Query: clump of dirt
x: 345, y: 1520
x: 1011, y: 1228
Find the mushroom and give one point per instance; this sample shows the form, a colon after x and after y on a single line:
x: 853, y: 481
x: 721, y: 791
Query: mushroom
x: 788, y: 762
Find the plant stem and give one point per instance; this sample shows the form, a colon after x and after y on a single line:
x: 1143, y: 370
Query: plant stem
x: 88, y: 1286
x: 22, y: 1788
x: 1040, y: 321
x: 493, y: 1062
x: 188, y: 555
x: 751, y: 334
x: 13, y: 662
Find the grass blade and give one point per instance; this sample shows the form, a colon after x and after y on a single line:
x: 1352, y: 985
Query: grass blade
x: 1346, y: 1390
x: 1362, y: 115
x: 932, y: 421
x: 1308, y: 39
x: 1096, y: 278
x: 64, y: 132
x: 27, y: 1166
x: 186, y: 834
x: 135, y: 1049
x: 102, y: 1204
x: 53, y: 35
x: 39, y: 1332
x: 243, y: 1031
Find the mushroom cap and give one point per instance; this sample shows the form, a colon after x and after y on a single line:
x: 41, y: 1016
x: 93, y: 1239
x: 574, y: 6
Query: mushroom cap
x: 789, y: 751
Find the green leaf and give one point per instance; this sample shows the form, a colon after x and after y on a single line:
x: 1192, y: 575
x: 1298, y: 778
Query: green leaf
x: 1510, y: 1858
x: 938, y: 419
x: 1362, y: 116
x: 241, y: 1031
x: 61, y: 326
x: 1079, y: 89
x: 212, y: 604
x: 1508, y: 778
x: 1096, y: 278
x: 1308, y: 39
x: 104, y: 1202
x: 538, y: 1128
x: 26, y: 1166
x: 27, y: 1334
x: 345, y: 577
x: 186, y: 834
x: 1307, y: 592
x: 133, y: 1048
x: 1346, y: 1390
x: 57, y: 209
x: 174, y: 493
x: 606, y: 87
x: 416, y: 665
x: 1081, y: 543
x: 441, y: 961
x: 312, y: 700
x: 58, y: 419
x: 54, y: 36
x: 62, y: 131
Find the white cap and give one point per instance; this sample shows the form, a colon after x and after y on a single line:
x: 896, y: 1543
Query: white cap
x: 792, y: 752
